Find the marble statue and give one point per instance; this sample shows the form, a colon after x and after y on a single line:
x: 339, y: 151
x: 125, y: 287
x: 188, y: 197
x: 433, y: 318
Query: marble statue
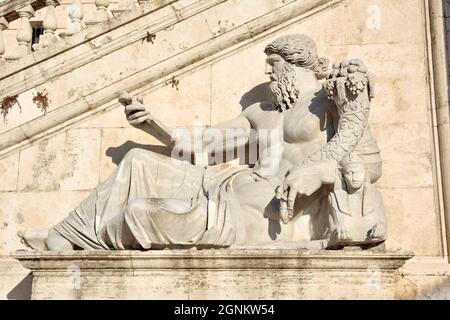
x: 320, y: 160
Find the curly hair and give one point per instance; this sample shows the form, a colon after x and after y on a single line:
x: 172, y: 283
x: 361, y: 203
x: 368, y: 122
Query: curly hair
x: 300, y: 50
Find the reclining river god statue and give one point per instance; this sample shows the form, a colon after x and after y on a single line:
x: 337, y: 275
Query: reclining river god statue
x: 311, y: 183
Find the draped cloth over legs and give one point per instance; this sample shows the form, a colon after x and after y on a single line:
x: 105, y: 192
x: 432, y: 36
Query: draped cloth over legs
x: 152, y: 201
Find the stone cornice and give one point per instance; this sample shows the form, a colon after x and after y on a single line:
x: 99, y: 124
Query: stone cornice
x: 218, y: 46
x: 212, y: 259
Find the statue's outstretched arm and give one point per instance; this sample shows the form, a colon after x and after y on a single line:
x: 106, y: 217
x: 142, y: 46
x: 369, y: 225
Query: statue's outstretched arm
x: 222, y: 137
x: 228, y: 135
x: 206, y: 143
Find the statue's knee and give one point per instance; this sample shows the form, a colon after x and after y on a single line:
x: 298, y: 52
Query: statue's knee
x: 142, y: 155
x: 133, y: 153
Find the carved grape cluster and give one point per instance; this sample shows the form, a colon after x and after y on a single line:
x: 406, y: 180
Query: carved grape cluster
x: 351, y: 75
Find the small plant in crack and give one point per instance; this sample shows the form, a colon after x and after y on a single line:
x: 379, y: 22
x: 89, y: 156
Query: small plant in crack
x: 7, y: 103
x: 41, y: 100
x: 149, y: 37
x: 173, y: 83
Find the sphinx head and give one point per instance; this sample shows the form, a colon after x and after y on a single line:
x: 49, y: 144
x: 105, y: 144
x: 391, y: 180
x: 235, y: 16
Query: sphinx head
x: 354, y: 174
x: 285, y: 57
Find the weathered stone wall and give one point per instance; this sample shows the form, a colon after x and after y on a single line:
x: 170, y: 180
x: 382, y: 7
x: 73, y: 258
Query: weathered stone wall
x: 41, y: 182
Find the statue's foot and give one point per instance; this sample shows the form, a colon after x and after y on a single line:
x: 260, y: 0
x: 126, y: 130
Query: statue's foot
x: 34, y: 239
x: 340, y: 238
x: 376, y: 234
x: 42, y: 240
x: 342, y: 235
x: 55, y: 242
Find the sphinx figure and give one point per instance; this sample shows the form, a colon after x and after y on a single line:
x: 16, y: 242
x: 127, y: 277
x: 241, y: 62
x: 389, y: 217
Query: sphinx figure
x: 357, y: 211
x: 152, y: 201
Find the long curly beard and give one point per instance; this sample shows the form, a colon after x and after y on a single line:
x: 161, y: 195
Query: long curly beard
x: 284, y: 88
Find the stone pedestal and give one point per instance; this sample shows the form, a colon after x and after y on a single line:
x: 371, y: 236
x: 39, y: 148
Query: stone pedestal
x: 213, y: 274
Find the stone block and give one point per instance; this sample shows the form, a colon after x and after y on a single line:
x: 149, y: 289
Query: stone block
x: 15, y: 280
x: 424, y: 279
x: 66, y: 161
x: 186, y: 103
x: 251, y: 86
x: 23, y: 111
x: 406, y: 150
x: 213, y: 274
x: 411, y: 224
x: 32, y: 210
x: 368, y: 22
x: 9, y: 170
x: 107, y: 118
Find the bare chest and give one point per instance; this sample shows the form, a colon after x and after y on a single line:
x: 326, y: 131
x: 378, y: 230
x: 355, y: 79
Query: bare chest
x: 301, y: 124
x: 296, y: 125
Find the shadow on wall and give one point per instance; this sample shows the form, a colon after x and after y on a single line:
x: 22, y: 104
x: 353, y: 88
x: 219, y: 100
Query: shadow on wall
x: 23, y: 289
x: 437, y: 292
x: 117, y: 153
x: 423, y: 288
x: 260, y: 93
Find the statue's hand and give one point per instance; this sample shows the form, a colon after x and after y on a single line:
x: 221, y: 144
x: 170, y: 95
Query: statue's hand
x: 137, y: 113
x: 304, y: 181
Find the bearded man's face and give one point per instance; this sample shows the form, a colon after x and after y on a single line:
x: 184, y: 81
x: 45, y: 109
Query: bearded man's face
x: 283, y: 83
